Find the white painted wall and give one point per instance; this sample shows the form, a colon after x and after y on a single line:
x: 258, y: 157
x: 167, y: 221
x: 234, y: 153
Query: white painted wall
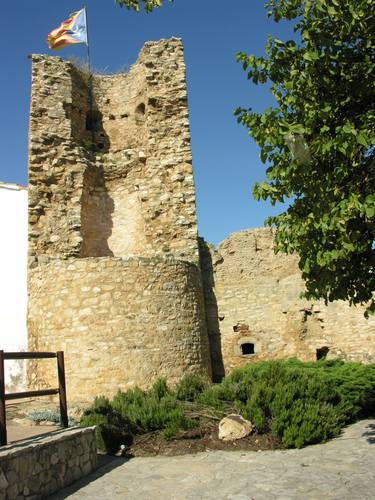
x: 13, y: 278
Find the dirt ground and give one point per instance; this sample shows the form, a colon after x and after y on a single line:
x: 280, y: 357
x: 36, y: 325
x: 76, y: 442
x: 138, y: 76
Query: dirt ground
x: 18, y: 427
x: 204, y: 438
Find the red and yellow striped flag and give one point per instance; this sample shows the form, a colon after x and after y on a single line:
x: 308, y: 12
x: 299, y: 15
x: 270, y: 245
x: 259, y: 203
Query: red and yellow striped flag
x: 71, y: 31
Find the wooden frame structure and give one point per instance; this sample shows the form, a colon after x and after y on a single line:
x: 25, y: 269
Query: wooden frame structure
x: 61, y: 390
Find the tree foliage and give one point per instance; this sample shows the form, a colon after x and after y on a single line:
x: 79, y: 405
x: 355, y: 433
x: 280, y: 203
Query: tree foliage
x: 137, y: 5
x: 318, y: 142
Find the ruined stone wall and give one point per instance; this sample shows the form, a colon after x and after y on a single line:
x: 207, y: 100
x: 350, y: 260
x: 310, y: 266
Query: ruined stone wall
x: 116, y: 179
x: 110, y: 176
x: 57, y: 162
x: 254, y: 311
x: 120, y: 322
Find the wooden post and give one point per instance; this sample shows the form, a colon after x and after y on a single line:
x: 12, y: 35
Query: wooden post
x: 62, y: 389
x: 3, y: 426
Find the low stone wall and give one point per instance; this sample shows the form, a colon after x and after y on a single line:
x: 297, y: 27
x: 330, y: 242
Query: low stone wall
x: 41, y: 466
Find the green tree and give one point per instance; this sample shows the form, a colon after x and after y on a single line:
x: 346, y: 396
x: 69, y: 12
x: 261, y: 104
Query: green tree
x: 318, y: 142
x: 148, y: 5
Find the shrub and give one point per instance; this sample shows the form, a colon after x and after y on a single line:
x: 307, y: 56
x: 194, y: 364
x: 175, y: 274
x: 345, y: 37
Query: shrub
x: 112, y: 429
x: 306, y: 423
x: 48, y: 415
x: 303, y: 403
x: 160, y: 388
x: 152, y: 410
x: 45, y: 415
x: 191, y: 386
x: 135, y: 412
x: 355, y: 382
x: 212, y: 397
x: 298, y: 406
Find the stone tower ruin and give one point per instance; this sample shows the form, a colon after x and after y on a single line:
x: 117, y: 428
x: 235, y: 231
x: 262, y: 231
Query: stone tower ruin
x: 117, y: 277
x: 114, y: 276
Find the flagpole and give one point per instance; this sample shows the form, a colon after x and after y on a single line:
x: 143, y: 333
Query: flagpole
x: 91, y: 106
x: 87, y: 41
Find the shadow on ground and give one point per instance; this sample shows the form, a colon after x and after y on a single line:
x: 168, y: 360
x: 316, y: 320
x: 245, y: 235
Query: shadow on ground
x: 370, y: 434
x: 106, y: 464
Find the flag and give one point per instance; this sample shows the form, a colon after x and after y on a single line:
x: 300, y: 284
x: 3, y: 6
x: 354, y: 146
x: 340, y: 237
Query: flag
x: 71, y: 31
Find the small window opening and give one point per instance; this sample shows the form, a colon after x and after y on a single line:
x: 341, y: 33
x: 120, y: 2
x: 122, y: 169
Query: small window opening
x: 247, y: 348
x: 141, y: 109
x: 322, y: 352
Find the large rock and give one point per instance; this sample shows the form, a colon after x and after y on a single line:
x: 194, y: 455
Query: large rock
x: 234, y: 427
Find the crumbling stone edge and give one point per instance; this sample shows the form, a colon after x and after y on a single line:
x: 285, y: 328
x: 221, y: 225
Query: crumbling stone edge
x: 35, y: 468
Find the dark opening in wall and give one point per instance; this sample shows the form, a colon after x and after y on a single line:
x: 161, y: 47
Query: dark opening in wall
x: 152, y: 101
x: 247, y: 348
x: 241, y: 327
x: 93, y: 120
x: 141, y: 109
x: 322, y: 352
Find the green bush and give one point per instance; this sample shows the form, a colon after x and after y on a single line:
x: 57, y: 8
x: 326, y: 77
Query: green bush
x: 283, y: 399
x: 211, y: 397
x: 156, y: 409
x: 191, y: 386
x: 355, y: 383
x: 112, y: 429
x: 302, y: 403
x: 135, y: 412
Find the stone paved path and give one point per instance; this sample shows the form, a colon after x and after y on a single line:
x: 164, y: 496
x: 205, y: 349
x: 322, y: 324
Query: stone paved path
x: 342, y: 469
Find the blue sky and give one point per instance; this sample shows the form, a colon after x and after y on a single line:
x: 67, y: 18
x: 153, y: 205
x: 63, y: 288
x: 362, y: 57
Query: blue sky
x: 225, y: 159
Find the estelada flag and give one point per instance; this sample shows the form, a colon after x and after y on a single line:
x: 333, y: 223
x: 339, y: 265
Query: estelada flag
x: 71, y: 31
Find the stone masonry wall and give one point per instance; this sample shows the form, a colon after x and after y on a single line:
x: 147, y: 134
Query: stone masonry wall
x: 252, y: 304
x: 37, y: 468
x: 110, y: 176
x: 117, y: 179
x: 57, y: 162
x: 120, y: 322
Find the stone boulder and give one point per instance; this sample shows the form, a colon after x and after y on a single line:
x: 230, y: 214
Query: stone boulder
x: 234, y: 427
